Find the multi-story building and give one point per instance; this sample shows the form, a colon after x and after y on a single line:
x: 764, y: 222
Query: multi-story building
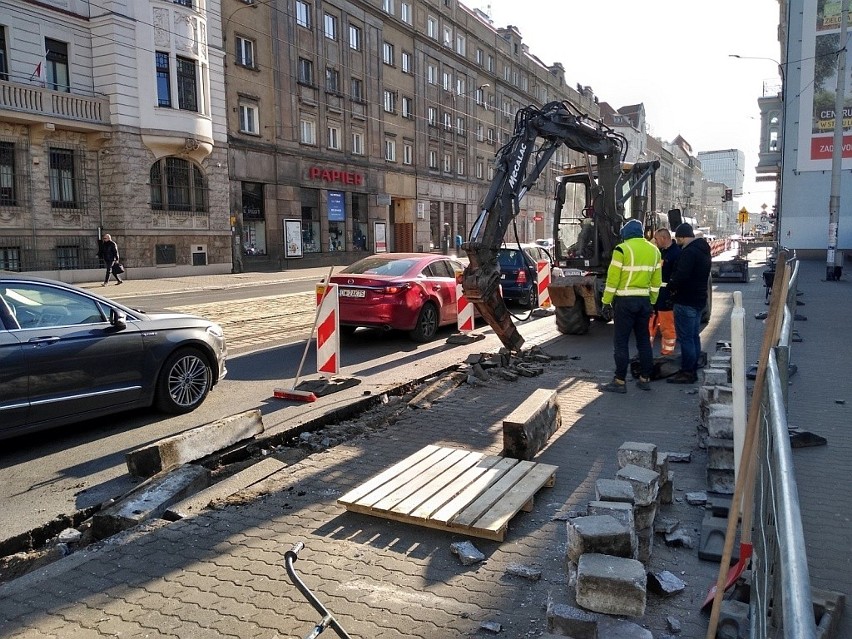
x: 112, y: 119
x: 372, y: 125
x: 726, y: 166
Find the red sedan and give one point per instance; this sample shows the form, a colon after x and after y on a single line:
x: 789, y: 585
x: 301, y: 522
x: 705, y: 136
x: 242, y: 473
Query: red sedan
x: 414, y: 292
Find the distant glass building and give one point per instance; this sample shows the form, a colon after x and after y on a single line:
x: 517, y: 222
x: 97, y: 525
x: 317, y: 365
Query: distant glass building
x: 726, y: 167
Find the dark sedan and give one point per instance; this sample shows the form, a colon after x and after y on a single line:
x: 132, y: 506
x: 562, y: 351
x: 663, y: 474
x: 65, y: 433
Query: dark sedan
x: 67, y: 354
x: 518, y: 272
x: 414, y: 292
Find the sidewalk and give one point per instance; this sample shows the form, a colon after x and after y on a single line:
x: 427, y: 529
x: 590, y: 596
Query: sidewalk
x: 221, y: 573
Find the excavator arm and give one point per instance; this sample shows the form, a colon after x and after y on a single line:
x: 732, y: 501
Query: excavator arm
x: 554, y: 124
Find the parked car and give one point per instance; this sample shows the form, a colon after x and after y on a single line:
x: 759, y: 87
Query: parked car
x: 546, y: 244
x: 518, y: 272
x: 414, y: 292
x: 67, y: 354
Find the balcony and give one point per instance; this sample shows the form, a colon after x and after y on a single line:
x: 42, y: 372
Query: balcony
x: 24, y: 103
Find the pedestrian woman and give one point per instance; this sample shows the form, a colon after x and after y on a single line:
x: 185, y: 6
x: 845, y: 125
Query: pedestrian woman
x: 110, y: 256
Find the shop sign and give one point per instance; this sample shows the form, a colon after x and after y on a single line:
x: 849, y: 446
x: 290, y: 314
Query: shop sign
x: 335, y: 175
x: 336, y: 207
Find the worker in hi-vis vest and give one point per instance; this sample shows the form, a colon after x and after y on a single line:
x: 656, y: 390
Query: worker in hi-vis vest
x: 632, y: 286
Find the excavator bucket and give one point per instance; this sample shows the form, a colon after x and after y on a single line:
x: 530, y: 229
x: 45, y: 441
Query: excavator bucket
x: 481, y: 283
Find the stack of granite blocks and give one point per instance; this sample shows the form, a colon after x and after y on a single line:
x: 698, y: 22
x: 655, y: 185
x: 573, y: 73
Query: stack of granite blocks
x: 716, y: 429
x: 610, y: 545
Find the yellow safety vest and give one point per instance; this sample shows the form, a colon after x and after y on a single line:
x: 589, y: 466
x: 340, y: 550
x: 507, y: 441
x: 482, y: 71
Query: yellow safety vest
x: 635, y: 270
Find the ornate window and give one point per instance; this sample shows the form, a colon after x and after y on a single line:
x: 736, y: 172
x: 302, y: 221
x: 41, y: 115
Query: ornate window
x: 178, y: 185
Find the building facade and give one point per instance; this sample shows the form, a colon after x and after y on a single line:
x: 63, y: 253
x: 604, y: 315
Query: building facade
x: 112, y: 121
x: 726, y: 166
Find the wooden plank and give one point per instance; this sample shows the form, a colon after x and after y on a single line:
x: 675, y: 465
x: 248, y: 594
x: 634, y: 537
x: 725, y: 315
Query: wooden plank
x: 495, y: 492
x: 498, y: 517
x: 380, y: 492
x: 451, y: 509
x: 438, y: 482
x: 440, y: 498
x: 364, y: 489
x: 411, y: 489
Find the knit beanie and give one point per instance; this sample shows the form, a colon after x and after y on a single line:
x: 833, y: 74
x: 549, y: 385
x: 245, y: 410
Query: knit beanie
x: 632, y: 229
x: 684, y: 230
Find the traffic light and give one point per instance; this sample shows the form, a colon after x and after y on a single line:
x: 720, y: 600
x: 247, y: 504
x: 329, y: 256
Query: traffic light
x: 729, y: 195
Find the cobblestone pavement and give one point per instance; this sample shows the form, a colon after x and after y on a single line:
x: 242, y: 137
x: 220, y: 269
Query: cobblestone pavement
x: 221, y: 573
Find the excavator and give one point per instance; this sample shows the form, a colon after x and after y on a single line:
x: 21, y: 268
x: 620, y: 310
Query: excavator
x: 606, y: 190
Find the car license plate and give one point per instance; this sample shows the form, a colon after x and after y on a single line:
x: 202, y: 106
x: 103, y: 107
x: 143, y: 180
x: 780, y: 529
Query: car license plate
x: 502, y: 276
x: 352, y: 292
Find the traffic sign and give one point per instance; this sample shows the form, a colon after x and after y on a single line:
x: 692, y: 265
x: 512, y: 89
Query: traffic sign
x: 742, y: 216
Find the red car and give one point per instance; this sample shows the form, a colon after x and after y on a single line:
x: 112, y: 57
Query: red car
x: 414, y: 292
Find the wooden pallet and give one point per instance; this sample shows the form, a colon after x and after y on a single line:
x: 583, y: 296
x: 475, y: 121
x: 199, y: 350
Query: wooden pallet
x: 454, y: 490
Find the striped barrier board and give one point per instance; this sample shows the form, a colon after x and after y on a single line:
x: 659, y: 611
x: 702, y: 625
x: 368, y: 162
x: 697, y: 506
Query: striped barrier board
x: 328, y: 331
x: 464, y: 309
x: 543, y: 280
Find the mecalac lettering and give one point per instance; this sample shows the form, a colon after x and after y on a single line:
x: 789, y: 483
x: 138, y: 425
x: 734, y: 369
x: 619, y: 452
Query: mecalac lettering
x: 335, y: 175
x: 514, y: 175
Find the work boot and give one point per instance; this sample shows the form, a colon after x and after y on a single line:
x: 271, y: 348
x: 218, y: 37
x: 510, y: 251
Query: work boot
x: 615, y: 386
x: 682, y: 377
x: 643, y: 383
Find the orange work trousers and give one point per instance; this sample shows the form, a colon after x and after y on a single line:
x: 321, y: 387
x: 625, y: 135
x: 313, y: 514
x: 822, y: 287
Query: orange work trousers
x: 663, y: 321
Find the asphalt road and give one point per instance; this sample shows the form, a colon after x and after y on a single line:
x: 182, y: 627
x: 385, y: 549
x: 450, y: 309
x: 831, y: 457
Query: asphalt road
x: 55, y: 473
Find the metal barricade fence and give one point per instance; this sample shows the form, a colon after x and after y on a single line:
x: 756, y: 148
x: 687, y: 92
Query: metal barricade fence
x: 781, y: 602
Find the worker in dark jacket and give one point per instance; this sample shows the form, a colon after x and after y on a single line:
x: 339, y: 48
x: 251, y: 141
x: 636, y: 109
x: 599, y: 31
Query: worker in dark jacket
x: 688, y: 288
x: 662, y: 319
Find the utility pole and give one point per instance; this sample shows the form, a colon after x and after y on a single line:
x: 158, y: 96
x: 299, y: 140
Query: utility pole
x: 833, y: 257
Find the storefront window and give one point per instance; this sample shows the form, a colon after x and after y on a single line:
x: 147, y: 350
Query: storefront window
x: 359, y: 221
x: 254, y: 222
x: 310, y: 221
x: 336, y: 221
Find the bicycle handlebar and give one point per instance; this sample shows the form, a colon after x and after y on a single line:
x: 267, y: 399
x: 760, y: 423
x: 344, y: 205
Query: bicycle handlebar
x: 328, y: 619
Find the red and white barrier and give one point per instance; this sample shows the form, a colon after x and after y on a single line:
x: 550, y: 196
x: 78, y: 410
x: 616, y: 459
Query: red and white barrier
x: 543, y: 280
x: 328, y: 331
x: 464, y: 310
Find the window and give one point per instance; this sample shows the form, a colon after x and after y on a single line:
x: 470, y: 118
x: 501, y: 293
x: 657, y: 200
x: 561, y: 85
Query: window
x: 332, y: 80
x: 460, y: 87
x: 249, y: 117
x: 8, y: 193
x: 406, y: 62
x: 56, y: 57
x: 164, y: 80
x: 68, y: 257
x: 446, y: 80
x: 308, y: 130
x: 490, y: 65
x: 448, y: 121
x: 390, y: 101
x: 178, y: 185
x: 460, y: 127
x: 165, y: 254
x: 490, y: 136
x: 306, y: 71
x: 187, y: 85
x: 479, y: 57
x: 433, y: 159
x: 405, y: 12
x: 311, y: 221
x: 303, y: 14
x: 407, y: 108
x: 4, y: 55
x: 461, y: 45
x: 185, y: 3
x: 245, y: 52
x: 480, y: 96
x: 460, y: 166
x: 10, y: 258
x: 357, y: 89
x: 432, y: 74
x: 432, y: 116
x: 407, y: 153
x: 448, y: 36
x: 387, y: 53
x: 354, y: 37
x: 334, y: 137
x: 390, y: 150
x: 62, y: 191
x: 388, y: 7
x: 480, y: 168
x: 330, y: 26
x: 357, y: 143
x: 432, y: 27
x: 448, y: 163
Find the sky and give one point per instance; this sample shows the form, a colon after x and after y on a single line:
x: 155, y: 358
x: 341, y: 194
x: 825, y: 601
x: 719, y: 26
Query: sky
x: 670, y: 55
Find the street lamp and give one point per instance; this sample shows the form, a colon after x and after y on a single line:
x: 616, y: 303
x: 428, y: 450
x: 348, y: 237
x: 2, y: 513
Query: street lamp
x: 779, y: 180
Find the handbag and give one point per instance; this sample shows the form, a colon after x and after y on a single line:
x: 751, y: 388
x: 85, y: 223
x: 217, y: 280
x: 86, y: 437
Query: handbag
x: 117, y: 268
